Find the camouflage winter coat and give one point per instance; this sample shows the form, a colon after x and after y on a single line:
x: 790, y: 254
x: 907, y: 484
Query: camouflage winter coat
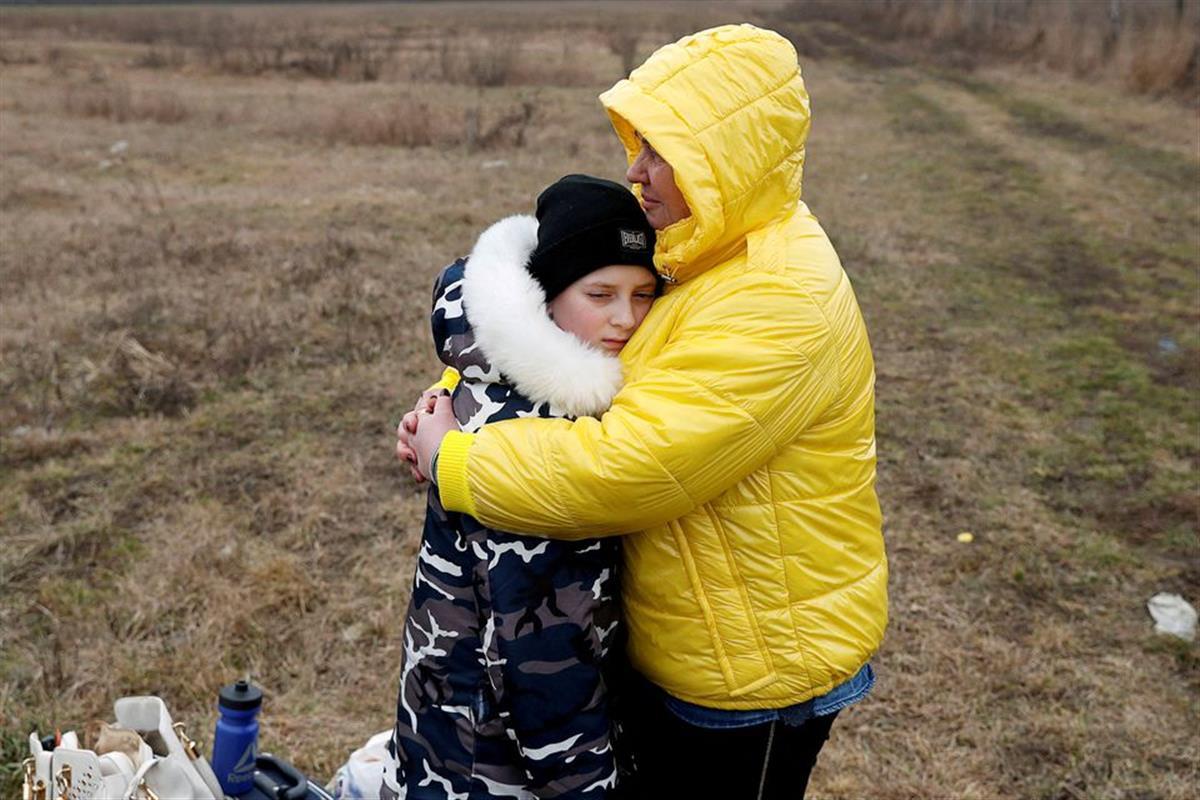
x: 501, y: 692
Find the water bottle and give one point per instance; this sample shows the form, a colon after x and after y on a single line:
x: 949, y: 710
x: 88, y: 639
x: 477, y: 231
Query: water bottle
x: 235, y: 744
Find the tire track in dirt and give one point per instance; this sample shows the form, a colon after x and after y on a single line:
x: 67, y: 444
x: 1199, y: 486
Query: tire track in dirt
x: 1110, y: 255
x: 971, y: 671
x: 1009, y: 661
x: 1024, y: 287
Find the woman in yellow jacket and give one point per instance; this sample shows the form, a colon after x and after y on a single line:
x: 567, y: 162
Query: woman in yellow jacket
x: 739, y: 458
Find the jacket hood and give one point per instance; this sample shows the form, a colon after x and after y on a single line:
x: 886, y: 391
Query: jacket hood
x: 509, y: 335
x: 728, y: 110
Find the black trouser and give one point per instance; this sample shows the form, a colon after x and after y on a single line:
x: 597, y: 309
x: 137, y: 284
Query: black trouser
x: 672, y: 760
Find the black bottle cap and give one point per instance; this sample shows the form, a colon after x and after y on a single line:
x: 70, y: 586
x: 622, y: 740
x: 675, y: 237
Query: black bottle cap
x: 240, y: 696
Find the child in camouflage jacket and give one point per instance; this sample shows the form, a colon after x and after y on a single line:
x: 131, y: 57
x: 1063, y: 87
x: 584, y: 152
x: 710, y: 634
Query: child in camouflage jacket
x: 502, y: 692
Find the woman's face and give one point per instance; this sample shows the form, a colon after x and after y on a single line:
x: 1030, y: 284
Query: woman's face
x: 661, y: 199
x: 605, y: 307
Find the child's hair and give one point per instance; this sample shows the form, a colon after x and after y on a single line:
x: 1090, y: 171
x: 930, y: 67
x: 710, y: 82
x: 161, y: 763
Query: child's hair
x: 585, y: 223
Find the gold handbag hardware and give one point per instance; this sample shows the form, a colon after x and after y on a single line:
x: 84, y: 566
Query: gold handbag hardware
x: 39, y: 790
x: 189, y: 745
x: 62, y: 782
x: 28, y: 766
x: 146, y: 791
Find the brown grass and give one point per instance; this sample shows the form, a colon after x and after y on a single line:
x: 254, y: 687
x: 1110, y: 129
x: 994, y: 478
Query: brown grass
x: 116, y: 101
x: 1151, y: 47
x: 1161, y: 59
x: 395, y: 125
x: 208, y: 330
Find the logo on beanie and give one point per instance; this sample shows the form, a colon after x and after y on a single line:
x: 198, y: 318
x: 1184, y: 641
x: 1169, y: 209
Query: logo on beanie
x: 633, y: 240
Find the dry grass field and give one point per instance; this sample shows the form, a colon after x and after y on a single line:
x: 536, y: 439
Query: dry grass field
x: 218, y: 232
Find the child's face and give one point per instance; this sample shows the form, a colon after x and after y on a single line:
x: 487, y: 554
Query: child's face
x: 605, y: 307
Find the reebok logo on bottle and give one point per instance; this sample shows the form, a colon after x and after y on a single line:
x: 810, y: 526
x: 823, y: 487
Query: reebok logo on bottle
x: 244, y: 769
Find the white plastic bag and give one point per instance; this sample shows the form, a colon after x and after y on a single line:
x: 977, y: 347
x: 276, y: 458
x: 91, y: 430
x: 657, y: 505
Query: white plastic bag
x: 363, y: 775
x: 1174, y: 615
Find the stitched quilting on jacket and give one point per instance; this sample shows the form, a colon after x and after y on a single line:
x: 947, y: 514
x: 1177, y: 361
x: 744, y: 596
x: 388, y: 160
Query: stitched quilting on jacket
x: 501, y: 691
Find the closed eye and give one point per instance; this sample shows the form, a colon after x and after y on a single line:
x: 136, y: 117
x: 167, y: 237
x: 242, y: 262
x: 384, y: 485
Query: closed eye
x: 647, y: 148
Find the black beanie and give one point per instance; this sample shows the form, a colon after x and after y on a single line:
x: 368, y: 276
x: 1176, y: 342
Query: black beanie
x: 586, y: 223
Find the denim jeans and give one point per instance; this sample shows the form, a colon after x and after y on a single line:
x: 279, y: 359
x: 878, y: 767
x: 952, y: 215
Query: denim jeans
x: 841, y: 696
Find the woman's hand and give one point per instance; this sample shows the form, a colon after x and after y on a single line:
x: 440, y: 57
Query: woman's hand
x: 432, y: 427
x: 408, y: 427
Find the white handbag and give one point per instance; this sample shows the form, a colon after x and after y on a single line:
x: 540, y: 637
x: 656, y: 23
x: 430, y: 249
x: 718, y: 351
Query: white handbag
x: 168, y: 740
x: 161, y: 763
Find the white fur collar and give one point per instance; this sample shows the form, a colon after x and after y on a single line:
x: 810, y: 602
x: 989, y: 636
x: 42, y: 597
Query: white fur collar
x: 506, y: 307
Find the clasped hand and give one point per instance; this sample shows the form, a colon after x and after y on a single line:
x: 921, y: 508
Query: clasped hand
x: 421, y: 431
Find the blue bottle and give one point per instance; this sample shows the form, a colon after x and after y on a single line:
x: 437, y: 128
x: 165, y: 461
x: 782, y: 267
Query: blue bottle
x: 235, y: 744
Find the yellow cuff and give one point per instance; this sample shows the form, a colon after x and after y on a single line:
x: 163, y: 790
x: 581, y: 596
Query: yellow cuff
x: 448, y: 381
x: 452, y: 472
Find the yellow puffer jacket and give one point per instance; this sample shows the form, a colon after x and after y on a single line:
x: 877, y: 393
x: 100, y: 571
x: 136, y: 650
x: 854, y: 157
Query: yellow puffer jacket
x: 742, y: 447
